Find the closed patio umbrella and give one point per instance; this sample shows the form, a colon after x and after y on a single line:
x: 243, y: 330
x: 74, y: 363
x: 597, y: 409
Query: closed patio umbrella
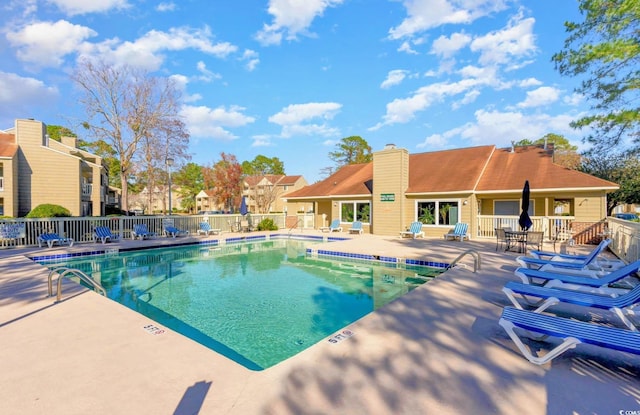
x: 243, y: 206
x: 525, y: 221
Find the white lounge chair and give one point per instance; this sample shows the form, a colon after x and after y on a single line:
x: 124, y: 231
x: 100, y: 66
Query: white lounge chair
x: 414, y: 231
x: 333, y: 227
x: 458, y: 232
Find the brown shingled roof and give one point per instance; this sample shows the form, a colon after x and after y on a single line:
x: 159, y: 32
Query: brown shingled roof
x: 508, y: 171
x: 448, y: 170
x: 288, y: 180
x: 350, y: 180
x: 479, y: 169
x: 8, y: 146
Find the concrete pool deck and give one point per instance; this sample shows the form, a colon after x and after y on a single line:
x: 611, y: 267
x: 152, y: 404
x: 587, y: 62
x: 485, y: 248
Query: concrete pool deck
x: 438, y: 349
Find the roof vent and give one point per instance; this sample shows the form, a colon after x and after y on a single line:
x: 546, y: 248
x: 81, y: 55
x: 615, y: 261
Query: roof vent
x: 389, y: 146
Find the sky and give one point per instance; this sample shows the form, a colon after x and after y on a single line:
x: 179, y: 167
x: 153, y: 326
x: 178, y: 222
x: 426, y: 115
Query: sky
x: 291, y: 78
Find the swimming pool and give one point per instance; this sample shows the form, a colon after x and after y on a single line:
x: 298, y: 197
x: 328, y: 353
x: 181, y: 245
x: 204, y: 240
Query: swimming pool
x: 257, y: 303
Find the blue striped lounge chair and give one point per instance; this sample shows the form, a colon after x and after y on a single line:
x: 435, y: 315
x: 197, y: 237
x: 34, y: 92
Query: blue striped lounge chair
x: 172, y: 231
x: 622, y: 305
x: 356, y: 227
x: 140, y: 231
x: 206, y: 229
x: 568, y: 264
x: 51, y: 239
x: 458, y: 232
x: 585, y: 282
x: 104, y: 235
x: 574, y: 332
x: 414, y: 231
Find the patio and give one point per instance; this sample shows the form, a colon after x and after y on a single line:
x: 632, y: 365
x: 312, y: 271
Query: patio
x: 438, y: 349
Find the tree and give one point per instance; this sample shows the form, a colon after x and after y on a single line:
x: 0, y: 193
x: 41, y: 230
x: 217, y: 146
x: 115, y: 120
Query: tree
x: 564, y: 153
x: 351, y: 150
x: 262, y: 165
x: 264, y: 192
x: 225, y: 179
x: 170, y: 141
x: 123, y: 106
x: 103, y: 149
x: 55, y: 132
x: 189, y: 180
x: 605, y: 49
x: 622, y: 168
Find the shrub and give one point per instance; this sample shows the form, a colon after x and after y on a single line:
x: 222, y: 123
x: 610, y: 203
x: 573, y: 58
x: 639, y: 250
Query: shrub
x: 49, y: 211
x: 267, y: 224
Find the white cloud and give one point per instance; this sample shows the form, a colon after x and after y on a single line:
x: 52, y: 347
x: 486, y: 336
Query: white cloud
x: 263, y: 140
x: 292, y: 18
x: 296, y: 119
x: 403, y: 110
x: 394, y: 77
x: 212, y: 123
x: 446, y: 47
x: 251, y: 59
x: 406, y: 48
x: 206, y: 74
x: 73, y: 7
x: 573, y: 99
x: 525, y: 83
x: 434, y: 141
x: 298, y: 113
x: 146, y: 52
x: 19, y: 95
x: 309, y: 129
x: 538, y: 97
x: 166, y: 7
x: 502, y: 46
x: 427, y: 14
x: 500, y: 128
x: 468, y: 98
x: 45, y: 44
x: 180, y: 82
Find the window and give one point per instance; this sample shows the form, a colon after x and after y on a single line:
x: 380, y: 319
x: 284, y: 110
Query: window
x: 438, y: 212
x: 355, y: 211
x: 511, y: 207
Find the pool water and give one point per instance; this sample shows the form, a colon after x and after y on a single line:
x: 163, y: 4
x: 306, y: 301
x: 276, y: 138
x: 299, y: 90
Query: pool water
x: 256, y: 303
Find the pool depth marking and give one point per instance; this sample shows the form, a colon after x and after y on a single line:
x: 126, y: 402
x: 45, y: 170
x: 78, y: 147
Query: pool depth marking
x: 155, y: 330
x: 344, y: 334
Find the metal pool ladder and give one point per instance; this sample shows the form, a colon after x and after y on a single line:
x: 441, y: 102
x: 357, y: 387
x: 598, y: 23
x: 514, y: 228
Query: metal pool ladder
x: 72, y: 272
x: 477, y: 262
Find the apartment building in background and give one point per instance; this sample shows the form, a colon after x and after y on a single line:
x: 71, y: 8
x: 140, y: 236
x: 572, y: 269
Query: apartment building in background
x: 35, y: 170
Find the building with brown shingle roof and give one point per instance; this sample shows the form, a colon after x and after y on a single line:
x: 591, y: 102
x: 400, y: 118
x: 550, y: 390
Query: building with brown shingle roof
x: 263, y: 194
x: 481, y: 186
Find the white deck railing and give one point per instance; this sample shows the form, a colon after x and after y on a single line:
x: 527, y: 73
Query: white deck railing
x: 81, y: 229
x: 556, y: 228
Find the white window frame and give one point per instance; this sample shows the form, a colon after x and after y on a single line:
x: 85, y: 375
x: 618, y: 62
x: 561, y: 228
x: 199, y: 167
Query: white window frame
x: 437, y: 216
x: 355, y: 211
